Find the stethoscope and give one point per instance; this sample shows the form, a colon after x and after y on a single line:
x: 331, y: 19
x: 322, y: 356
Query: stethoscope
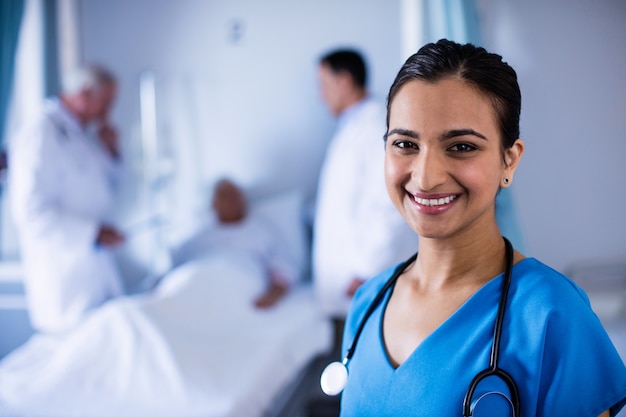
x: 335, y: 375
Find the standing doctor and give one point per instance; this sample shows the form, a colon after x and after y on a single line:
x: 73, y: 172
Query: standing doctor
x: 357, y: 230
x: 62, y: 176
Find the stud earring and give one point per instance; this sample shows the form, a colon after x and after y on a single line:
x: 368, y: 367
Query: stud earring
x: 506, y: 181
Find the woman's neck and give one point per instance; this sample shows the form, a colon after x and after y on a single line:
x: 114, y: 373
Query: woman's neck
x: 454, y: 262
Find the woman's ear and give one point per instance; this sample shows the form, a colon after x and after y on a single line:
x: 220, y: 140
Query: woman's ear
x: 512, y: 157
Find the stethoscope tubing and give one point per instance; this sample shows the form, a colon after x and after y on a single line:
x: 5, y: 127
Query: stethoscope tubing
x: 377, y: 300
x: 494, y: 369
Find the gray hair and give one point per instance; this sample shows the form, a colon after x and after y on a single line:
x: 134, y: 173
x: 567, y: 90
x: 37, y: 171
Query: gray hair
x: 89, y: 77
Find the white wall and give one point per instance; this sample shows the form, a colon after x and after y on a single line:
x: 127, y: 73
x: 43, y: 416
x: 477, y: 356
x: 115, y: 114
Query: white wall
x: 570, y: 56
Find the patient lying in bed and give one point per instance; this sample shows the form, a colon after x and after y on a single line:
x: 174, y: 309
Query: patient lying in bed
x: 196, y: 346
x: 230, y: 227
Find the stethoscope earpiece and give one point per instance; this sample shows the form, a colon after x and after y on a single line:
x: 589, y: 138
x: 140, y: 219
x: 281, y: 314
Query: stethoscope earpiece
x: 334, y: 378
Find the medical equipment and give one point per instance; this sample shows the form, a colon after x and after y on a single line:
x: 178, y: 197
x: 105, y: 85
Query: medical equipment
x: 335, y: 375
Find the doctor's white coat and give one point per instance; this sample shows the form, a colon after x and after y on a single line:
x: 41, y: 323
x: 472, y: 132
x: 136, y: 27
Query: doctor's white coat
x: 61, y: 186
x: 358, y: 232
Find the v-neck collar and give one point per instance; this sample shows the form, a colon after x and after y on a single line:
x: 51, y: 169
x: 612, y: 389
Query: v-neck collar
x: 481, y: 295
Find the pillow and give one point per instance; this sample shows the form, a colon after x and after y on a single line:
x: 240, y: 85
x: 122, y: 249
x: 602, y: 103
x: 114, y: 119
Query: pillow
x: 285, y: 212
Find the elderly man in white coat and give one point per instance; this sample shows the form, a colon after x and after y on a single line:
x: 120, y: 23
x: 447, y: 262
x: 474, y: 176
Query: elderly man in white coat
x: 357, y: 230
x: 61, y: 184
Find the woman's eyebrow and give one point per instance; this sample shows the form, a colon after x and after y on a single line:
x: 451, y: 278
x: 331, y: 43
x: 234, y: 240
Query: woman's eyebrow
x: 447, y: 135
x: 462, y: 132
x: 403, y: 132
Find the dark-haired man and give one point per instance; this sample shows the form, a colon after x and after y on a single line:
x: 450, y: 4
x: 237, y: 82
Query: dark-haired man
x: 357, y: 231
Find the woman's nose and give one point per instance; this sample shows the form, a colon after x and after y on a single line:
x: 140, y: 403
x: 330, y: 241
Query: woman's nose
x: 429, y: 170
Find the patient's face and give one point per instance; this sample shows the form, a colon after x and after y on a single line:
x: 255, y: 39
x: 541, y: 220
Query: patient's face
x: 229, y: 202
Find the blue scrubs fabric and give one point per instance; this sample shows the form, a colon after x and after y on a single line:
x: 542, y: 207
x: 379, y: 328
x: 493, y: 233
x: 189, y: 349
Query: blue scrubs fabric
x: 553, y: 345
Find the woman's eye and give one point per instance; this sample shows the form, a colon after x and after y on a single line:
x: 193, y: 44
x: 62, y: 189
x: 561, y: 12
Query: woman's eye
x: 405, y: 144
x: 463, y: 147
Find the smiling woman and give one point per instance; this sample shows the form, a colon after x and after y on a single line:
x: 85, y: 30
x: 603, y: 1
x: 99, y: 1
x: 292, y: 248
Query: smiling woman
x: 469, y: 323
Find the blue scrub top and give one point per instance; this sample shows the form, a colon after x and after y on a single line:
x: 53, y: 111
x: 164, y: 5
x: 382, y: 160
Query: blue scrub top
x: 553, y: 345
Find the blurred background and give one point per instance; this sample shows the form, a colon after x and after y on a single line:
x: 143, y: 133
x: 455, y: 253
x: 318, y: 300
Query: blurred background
x: 235, y: 93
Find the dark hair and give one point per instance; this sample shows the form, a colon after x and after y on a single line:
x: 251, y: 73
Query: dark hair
x: 486, y: 71
x: 350, y: 61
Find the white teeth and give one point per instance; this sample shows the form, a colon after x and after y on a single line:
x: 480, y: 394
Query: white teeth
x: 434, y: 201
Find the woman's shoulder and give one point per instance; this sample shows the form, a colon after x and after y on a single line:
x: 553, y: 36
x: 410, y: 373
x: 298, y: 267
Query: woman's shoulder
x: 531, y: 272
x: 534, y: 280
x: 553, y: 320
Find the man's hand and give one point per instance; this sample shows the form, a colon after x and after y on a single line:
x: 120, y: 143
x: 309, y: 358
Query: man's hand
x: 109, y: 139
x: 109, y: 237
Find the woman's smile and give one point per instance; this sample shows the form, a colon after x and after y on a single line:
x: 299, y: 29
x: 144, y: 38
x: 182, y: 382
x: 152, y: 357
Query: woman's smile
x: 433, y: 203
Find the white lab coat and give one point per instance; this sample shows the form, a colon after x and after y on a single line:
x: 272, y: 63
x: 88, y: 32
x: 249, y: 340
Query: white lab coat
x: 61, y: 185
x: 357, y: 231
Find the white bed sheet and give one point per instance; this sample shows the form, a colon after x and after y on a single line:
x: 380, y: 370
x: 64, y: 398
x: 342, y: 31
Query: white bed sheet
x: 197, y: 347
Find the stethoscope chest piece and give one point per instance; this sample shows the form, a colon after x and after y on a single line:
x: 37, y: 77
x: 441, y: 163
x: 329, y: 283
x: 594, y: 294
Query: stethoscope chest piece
x: 334, y: 378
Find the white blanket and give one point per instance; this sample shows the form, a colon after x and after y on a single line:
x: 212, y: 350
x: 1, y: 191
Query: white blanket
x: 196, y: 347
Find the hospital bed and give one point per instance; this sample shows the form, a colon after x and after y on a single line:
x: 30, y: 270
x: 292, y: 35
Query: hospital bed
x: 194, y: 346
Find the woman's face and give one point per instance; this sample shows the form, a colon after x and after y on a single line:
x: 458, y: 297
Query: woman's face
x: 443, y: 158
